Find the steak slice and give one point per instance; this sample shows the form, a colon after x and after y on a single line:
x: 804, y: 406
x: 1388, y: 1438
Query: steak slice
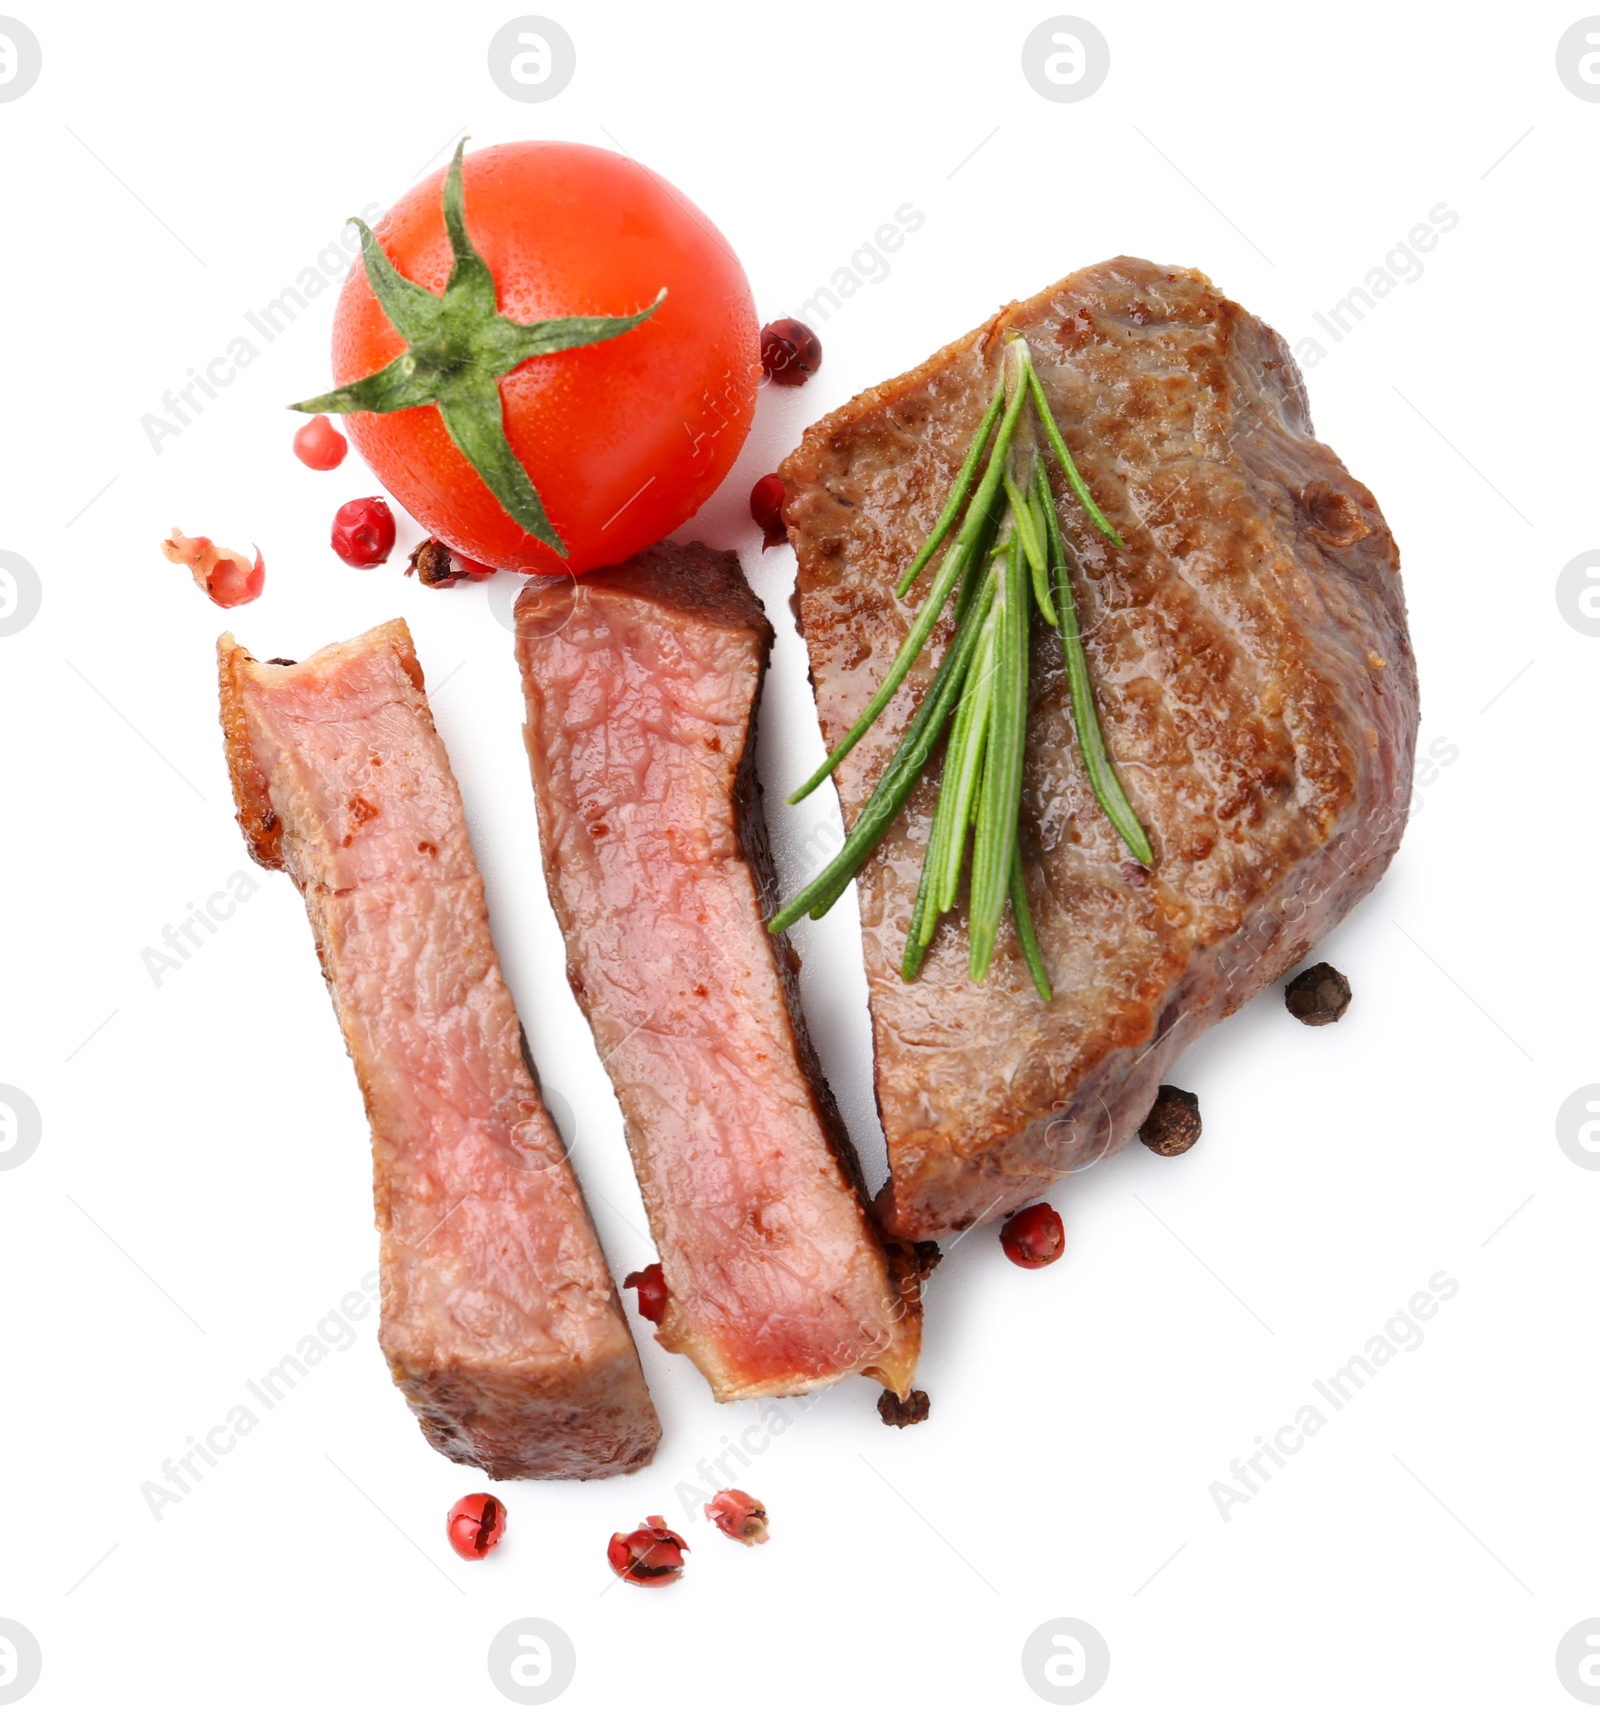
x: 1255, y: 683
x: 500, y: 1320
x: 641, y: 684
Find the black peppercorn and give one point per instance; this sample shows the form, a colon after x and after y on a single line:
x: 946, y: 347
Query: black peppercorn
x: 1173, y: 1126
x: 1317, y: 995
x: 901, y: 1413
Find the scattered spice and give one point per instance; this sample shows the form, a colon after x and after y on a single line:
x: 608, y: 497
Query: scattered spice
x: 651, y: 1285
x: 363, y: 532
x: 476, y: 1523
x: 739, y: 1516
x: 1033, y: 1238
x: 1173, y: 1126
x: 319, y: 445
x: 227, y: 577
x: 898, y: 1413
x: 790, y: 351
x: 435, y: 564
x: 766, y: 510
x: 1318, y: 995
x: 430, y: 562
x: 651, y: 1555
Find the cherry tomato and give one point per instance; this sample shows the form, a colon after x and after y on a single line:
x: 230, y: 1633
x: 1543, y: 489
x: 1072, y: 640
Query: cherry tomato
x: 623, y: 439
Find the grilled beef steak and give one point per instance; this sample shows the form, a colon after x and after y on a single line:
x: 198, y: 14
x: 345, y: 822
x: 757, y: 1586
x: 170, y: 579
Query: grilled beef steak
x: 1256, y: 686
x: 500, y: 1320
x: 641, y: 684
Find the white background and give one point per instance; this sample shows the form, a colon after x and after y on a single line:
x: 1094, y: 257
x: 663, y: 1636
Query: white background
x: 202, y: 1192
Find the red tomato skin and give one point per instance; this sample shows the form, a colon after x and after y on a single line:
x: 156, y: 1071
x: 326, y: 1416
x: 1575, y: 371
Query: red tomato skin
x: 624, y: 440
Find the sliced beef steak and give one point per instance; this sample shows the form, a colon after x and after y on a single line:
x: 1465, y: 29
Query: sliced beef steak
x: 500, y: 1320
x: 1256, y: 686
x: 642, y: 684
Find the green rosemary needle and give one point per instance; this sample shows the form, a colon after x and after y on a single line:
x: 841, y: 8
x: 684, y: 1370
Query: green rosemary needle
x: 1085, y: 718
x: 1007, y: 559
x: 994, y: 835
x: 958, y: 493
x: 963, y: 772
x: 1026, y: 937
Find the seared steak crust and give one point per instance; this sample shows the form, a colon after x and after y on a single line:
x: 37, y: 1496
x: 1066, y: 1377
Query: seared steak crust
x: 642, y: 683
x: 1256, y: 686
x: 500, y: 1321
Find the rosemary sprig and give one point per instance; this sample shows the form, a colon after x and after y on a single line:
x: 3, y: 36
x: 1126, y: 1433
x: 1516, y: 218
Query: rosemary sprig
x: 1008, y: 558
